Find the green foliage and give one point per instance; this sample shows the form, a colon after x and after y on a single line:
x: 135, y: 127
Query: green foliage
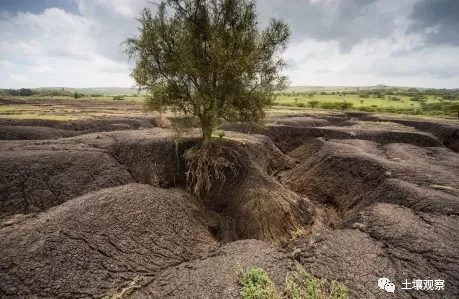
x: 256, y: 284
x: 25, y: 92
x: 118, y: 98
x: 208, y: 59
x: 336, y: 105
x: 77, y: 95
x: 313, y: 103
x: 221, y: 134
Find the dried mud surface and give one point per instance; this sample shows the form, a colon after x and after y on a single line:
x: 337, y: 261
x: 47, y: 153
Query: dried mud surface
x: 87, y: 206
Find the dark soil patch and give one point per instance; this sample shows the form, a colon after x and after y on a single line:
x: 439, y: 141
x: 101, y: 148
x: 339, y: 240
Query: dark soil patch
x: 356, y: 201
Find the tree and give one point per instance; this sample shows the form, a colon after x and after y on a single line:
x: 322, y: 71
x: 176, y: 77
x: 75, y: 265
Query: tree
x: 25, y: 92
x: 313, y: 103
x: 208, y: 58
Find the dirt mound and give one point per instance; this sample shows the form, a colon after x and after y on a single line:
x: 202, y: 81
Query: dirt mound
x: 387, y: 241
x: 446, y: 132
x: 79, y: 124
x: 300, y: 121
x: 215, y: 277
x: 366, y: 171
x: 37, y: 176
x: 357, y: 200
x: 251, y: 205
x: 38, y: 129
x: 33, y: 133
x: 254, y: 205
x: 90, y: 245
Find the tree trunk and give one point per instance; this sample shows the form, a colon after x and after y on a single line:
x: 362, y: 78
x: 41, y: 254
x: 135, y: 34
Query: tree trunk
x: 206, y: 127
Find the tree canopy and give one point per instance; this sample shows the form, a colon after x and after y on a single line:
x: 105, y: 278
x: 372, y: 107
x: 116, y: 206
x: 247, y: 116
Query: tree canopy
x: 208, y: 58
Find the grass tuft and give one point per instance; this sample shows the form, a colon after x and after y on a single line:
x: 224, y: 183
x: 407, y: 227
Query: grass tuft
x: 256, y: 284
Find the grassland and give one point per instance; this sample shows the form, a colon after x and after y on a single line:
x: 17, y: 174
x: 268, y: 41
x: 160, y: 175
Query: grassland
x: 441, y: 103
x: 63, y: 104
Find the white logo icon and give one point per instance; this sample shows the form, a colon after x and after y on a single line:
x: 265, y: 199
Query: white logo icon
x: 389, y: 287
x: 385, y: 284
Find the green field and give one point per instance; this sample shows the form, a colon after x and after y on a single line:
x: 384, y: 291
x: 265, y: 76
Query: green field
x: 378, y: 99
x: 437, y: 102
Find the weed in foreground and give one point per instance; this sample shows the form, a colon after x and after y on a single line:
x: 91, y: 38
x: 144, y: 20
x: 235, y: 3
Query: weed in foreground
x: 256, y: 284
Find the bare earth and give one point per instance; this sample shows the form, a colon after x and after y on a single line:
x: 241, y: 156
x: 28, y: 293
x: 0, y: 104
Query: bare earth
x: 90, y: 205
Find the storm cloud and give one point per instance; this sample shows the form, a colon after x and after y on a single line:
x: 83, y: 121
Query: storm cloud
x: 438, y: 20
x: 334, y: 42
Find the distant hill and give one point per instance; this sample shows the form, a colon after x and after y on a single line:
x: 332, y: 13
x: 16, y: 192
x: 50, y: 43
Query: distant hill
x: 111, y: 91
x: 343, y: 88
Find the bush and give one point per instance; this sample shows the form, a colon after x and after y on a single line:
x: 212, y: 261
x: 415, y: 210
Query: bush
x: 367, y: 109
x: 118, y: 98
x: 25, y: 92
x: 329, y: 105
x: 256, y: 284
x: 345, y: 105
x: 313, y: 103
x: 336, y: 105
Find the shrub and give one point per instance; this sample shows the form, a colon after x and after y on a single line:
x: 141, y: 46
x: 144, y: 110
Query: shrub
x: 25, y: 92
x: 367, y: 109
x: 313, y: 103
x: 345, y: 105
x: 256, y: 284
x: 118, y: 98
x: 329, y: 105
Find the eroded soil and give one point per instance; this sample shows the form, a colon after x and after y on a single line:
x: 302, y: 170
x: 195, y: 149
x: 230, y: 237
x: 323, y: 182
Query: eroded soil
x: 88, y: 206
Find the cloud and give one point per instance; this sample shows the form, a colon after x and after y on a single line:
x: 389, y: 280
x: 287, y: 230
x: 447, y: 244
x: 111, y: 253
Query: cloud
x: 334, y: 42
x: 347, y: 22
x: 42, y: 69
x: 58, y: 48
x: 18, y: 78
x: 437, y: 20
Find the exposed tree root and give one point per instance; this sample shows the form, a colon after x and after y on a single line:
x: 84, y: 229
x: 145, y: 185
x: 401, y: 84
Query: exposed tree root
x: 208, y: 165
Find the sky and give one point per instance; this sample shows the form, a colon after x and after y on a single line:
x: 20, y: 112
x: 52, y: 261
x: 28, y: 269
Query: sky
x: 77, y: 43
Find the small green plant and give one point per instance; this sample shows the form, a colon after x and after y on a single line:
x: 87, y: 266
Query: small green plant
x: 296, y: 252
x: 256, y: 284
x: 220, y: 134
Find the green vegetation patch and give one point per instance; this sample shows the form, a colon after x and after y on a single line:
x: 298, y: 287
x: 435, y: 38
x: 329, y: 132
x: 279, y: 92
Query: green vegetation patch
x: 434, y: 102
x: 256, y: 284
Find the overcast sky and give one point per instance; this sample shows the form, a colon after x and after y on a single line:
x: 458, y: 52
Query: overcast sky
x: 76, y: 43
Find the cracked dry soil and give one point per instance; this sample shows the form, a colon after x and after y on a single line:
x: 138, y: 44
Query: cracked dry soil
x: 90, y: 205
